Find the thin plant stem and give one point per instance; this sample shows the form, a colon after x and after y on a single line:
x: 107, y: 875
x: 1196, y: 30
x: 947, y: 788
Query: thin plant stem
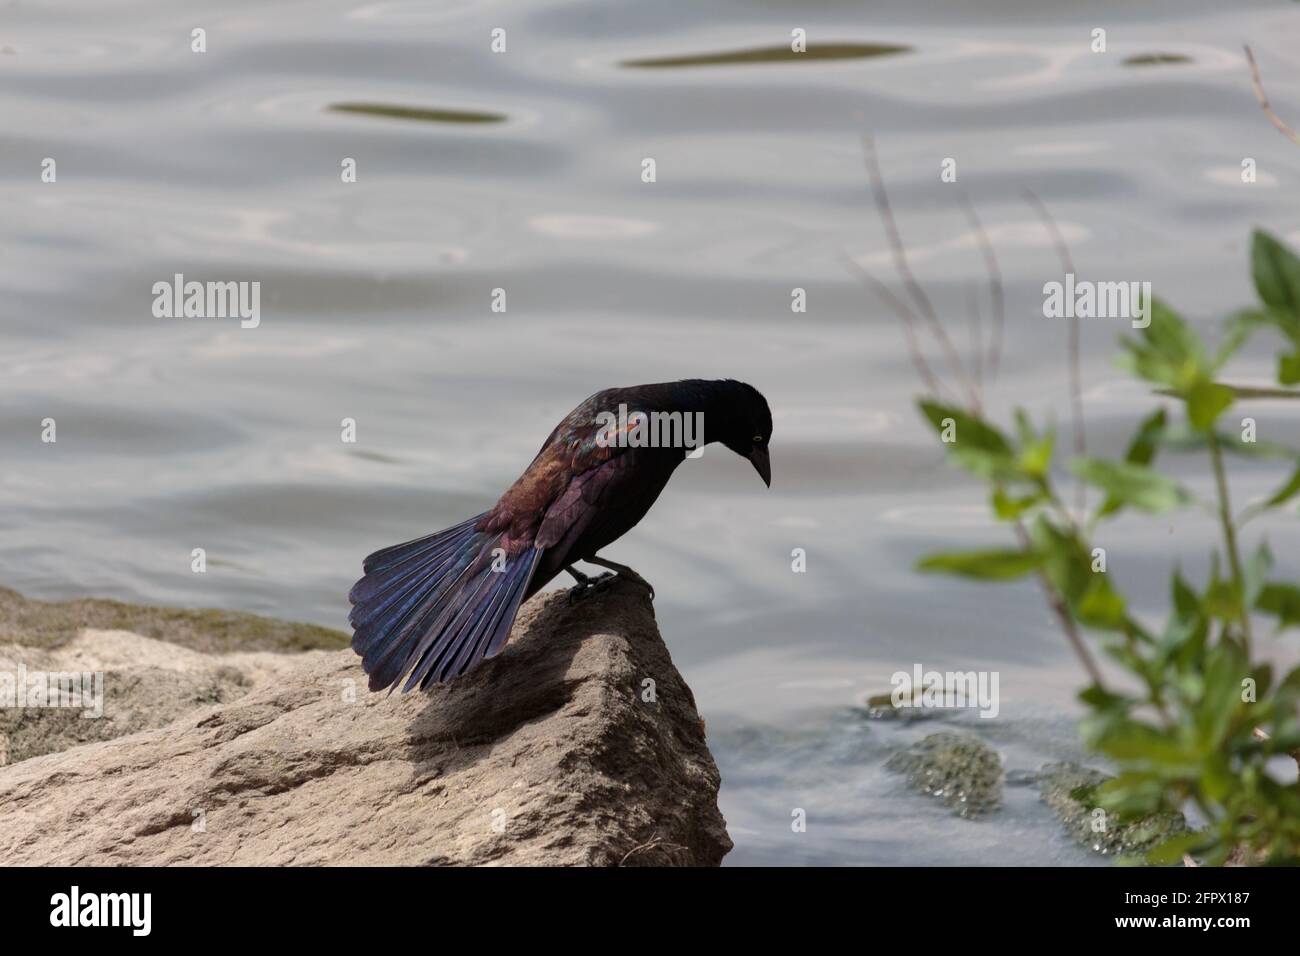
x: 996, y: 296
x: 908, y: 320
x: 922, y: 302
x: 1077, y: 428
x: 1258, y: 85
x: 976, y: 330
x: 914, y: 289
x: 1230, y: 536
x: 1057, y: 603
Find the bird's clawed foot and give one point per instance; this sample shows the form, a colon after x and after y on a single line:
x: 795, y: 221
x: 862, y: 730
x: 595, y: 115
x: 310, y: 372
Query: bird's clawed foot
x: 587, y: 584
x: 624, y: 572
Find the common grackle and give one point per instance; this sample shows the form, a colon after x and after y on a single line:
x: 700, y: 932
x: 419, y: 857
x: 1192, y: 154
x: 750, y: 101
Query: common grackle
x: 434, y: 607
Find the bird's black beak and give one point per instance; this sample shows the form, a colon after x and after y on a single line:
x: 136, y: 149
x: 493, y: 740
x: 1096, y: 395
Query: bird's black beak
x: 762, y: 463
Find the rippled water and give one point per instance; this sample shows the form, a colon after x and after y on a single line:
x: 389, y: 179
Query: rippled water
x: 522, y: 170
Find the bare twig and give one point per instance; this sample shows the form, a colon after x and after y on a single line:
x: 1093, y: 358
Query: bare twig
x: 904, y: 270
x: 910, y: 321
x: 976, y: 328
x: 1258, y: 84
x: 907, y: 319
x: 1076, y: 372
x: 1057, y: 604
x: 996, y: 297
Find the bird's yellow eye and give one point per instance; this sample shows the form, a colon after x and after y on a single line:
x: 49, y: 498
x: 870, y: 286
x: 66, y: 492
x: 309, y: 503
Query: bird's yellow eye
x: 757, y: 439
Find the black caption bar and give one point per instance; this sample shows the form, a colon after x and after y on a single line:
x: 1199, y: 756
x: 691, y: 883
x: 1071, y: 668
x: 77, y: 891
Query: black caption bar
x: 135, y: 906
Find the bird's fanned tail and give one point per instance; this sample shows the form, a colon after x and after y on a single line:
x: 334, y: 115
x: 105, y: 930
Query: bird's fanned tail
x: 436, y: 606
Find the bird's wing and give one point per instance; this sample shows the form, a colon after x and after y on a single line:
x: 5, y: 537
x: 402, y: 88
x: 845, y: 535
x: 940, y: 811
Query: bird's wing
x: 592, y: 498
x: 580, y: 447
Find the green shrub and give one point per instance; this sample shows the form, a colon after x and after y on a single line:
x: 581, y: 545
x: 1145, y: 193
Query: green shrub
x: 1209, y: 716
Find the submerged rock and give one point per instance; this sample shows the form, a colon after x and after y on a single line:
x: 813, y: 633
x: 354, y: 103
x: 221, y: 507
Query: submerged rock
x: 960, y: 770
x: 1067, y: 788
x: 578, y: 744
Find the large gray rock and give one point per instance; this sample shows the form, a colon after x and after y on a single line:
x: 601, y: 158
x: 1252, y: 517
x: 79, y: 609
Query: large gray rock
x: 578, y: 744
x: 51, y: 624
x: 146, y: 683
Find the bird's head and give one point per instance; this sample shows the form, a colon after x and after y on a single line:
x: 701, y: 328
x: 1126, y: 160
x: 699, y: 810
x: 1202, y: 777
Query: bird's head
x: 747, y: 426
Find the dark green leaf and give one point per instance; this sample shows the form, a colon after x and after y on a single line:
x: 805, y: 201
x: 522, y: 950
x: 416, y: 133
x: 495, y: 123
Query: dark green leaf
x: 1206, y: 401
x: 1173, y: 850
x: 1132, y: 485
x: 967, y: 430
x: 1035, y: 458
x: 1222, y: 600
x: 1186, y: 604
x: 1099, y: 698
x: 988, y: 565
x: 1225, y: 668
x: 1288, y: 368
x: 1279, y: 497
x: 1141, y: 451
x: 1282, y: 601
x: 1237, y: 330
x: 973, y: 443
x: 1100, y: 606
x: 1169, y: 352
x: 1065, y: 562
x: 1172, y: 337
x: 1277, y: 274
x: 1185, y: 440
x: 1009, y: 508
x: 1255, y: 572
x: 1142, y: 744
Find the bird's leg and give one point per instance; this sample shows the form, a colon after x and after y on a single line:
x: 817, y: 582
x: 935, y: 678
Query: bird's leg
x: 582, y: 579
x: 586, y: 583
x: 623, y: 571
x: 586, y: 580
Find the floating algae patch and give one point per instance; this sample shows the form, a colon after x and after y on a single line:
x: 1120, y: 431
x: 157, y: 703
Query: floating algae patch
x: 961, y: 771
x: 374, y: 456
x: 420, y: 114
x: 771, y: 54
x: 1156, y: 59
x: 1068, y: 789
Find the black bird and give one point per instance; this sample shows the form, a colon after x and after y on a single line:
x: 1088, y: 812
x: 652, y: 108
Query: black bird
x: 434, y: 607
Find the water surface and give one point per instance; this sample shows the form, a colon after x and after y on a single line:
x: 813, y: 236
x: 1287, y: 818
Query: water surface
x: 522, y: 171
